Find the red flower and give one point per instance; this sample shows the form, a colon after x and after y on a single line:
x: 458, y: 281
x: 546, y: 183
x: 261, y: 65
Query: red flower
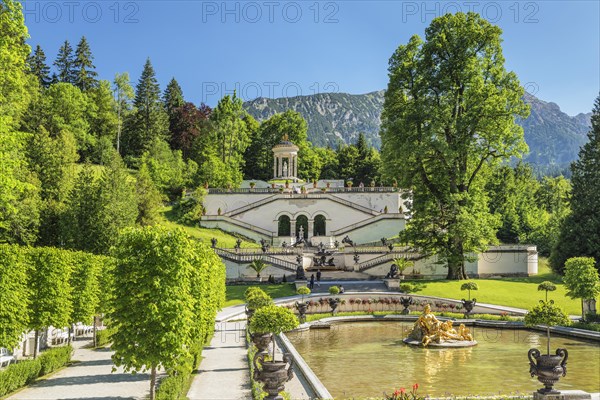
x: 415, y: 386
x: 402, y: 390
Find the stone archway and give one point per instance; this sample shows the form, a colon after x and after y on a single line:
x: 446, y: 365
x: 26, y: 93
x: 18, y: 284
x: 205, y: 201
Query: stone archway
x: 302, y: 221
x: 284, y: 226
x: 320, y: 225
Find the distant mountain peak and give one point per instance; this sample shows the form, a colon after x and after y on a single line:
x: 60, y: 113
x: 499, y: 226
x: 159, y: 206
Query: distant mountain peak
x: 554, y: 138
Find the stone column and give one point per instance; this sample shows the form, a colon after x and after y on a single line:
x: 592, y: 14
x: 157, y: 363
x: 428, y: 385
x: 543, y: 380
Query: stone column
x: 279, y: 168
x: 274, y: 167
x: 292, y: 228
x: 296, y: 165
x: 311, y: 228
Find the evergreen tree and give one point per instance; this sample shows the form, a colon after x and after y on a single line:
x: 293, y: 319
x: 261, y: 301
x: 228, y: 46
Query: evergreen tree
x: 65, y: 64
x: 148, y: 198
x: 82, y: 225
x: 118, y: 204
x: 580, y: 232
x: 38, y: 67
x: 84, y: 69
x: 149, y: 120
x: 173, y: 96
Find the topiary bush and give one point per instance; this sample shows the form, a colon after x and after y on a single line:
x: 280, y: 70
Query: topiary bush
x: 171, y: 387
x: 104, y: 337
x: 333, y: 290
x: 257, y: 298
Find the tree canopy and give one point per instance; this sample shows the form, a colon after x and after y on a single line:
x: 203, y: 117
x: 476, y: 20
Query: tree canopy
x: 449, y: 114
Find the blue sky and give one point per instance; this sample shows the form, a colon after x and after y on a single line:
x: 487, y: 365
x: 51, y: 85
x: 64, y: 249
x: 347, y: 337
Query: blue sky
x: 285, y: 48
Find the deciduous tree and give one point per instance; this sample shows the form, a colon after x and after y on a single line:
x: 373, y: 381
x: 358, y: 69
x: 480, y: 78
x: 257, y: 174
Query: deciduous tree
x: 449, y: 113
x: 581, y: 279
x: 14, y: 296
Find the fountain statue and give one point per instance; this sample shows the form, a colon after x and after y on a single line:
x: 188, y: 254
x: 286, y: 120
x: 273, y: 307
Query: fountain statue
x: 429, y: 331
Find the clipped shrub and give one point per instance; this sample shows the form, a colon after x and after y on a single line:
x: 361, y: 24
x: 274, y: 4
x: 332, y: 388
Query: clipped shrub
x: 171, y: 387
x: 257, y: 299
x: 104, y: 337
x: 18, y: 375
x: 55, y: 358
x: 333, y: 290
x: 25, y: 372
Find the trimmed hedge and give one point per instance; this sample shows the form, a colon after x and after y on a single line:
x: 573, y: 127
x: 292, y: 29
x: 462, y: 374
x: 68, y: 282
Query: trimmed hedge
x: 23, y: 373
x: 104, y: 336
x: 172, y: 387
x: 55, y: 358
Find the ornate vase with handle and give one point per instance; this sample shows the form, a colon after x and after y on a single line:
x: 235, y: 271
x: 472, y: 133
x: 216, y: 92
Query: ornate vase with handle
x: 273, y: 374
x: 548, y: 368
x: 468, y: 306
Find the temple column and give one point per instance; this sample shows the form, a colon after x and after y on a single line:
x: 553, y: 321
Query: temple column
x: 311, y: 228
x: 292, y: 228
x: 274, y: 167
x: 279, y: 167
x: 296, y: 165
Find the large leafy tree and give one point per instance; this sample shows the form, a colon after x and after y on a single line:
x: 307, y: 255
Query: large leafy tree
x: 85, y: 278
x: 19, y: 192
x: 259, y: 154
x: 49, y: 281
x: 449, y: 113
x: 38, y: 67
x: 154, y: 304
x: 187, y: 123
x: 14, y: 296
x: 83, y: 65
x: 581, y: 279
x: 149, y: 120
x: 580, y: 232
x: 65, y: 64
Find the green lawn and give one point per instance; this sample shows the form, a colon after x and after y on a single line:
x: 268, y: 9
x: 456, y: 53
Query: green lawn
x: 235, y: 294
x: 513, y: 292
x: 203, y: 234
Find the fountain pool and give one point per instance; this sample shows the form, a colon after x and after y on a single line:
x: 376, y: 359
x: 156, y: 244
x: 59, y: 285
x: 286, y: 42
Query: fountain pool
x: 366, y: 359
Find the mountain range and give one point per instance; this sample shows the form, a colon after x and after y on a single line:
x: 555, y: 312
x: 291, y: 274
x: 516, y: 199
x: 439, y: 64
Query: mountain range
x: 554, y: 138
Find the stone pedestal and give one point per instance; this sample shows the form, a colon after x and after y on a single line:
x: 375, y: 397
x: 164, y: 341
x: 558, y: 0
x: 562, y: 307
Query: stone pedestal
x: 392, y: 284
x: 563, y: 395
x: 300, y: 284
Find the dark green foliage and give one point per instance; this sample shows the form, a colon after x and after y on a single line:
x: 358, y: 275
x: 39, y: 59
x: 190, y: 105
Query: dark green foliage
x: 189, y: 208
x: 149, y: 121
x: 173, y: 99
x: 580, y: 231
x: 65, y: 64
x: 38, y: 67
x: 25, y: 372
x: 14, y: 295
x: 84, y: 69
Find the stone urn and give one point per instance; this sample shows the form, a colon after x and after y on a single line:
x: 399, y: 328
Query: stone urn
x: 261, y: 341
x: 468, y: 306
x: 548, y: 368
x: 273, y: 374
x: 406, y: 302
x: 333, y: 303
x: 302, y: 307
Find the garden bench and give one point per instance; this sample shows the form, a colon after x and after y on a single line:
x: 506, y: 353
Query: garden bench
x: 5, y: 357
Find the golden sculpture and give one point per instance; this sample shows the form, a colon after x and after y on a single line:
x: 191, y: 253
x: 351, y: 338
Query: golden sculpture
x: 428, y: 329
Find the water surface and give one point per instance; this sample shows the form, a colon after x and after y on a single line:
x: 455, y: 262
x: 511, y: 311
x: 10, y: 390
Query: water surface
x: 366, y: 359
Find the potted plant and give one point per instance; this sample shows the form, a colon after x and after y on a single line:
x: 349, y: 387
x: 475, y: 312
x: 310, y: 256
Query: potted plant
x: 328, y: 185
x: 314, y: 183
x: 252, y: 184
x: 406, y: 302
x: 548, y: 368
x: 402, y: 264
x: 333, y: 302
x: 255, y: 299
x: 302, y: 306
x: 258, y: 266
x: 219, y: 211
x: 287, y: 184
x: 469, y: 304
x: 349, y: 184
x: 385, y: 209
x: 272, y: 320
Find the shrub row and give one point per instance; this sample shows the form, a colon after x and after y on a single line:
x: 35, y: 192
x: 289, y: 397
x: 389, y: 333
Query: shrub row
x: 25, y: 372
x: 104, y: 337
